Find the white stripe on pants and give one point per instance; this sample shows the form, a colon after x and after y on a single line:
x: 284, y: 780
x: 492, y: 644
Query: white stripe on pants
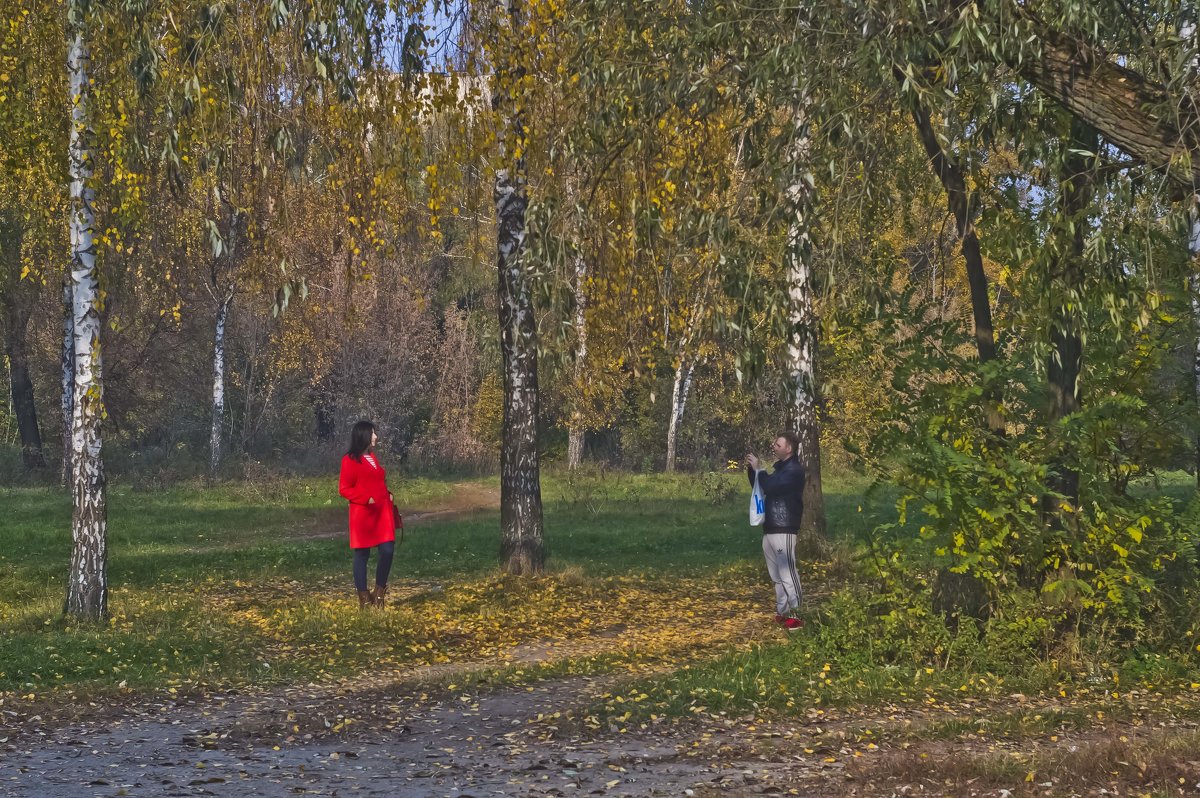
x: 780, y: 550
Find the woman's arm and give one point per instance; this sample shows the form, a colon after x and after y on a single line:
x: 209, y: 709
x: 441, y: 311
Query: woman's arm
x: 348, y: 484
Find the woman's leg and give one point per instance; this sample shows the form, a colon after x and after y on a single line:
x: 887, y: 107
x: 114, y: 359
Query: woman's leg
x: 360, y: 568
x: 383, y: 566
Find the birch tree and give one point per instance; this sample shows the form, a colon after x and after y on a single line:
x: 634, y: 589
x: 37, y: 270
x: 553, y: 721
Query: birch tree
x: 87, y: 586
x: 66, y: 362
x: 521, y: 549
x: 802, y: 317
x: 576, y: 429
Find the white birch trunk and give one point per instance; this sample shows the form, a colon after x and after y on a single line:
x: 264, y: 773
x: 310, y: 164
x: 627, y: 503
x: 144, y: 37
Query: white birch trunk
x: 67, y: 358
x: 679, y: 396
x: 802, y: 318
x: 87, y: 589
x: 575, y: 433
x: 521, y: 549
x: 218, y: 394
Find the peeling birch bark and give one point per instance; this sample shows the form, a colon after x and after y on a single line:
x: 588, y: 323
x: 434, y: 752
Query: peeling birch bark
x: 67, y: 363
x: 802, y: 341
x: 522, y: 549
x: 575, y: 431
x: 679, y: 396
x: 218, y: 394
x: 87, y: 588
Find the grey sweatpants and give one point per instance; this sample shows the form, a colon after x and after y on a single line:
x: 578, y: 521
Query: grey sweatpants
x: 780, y: 550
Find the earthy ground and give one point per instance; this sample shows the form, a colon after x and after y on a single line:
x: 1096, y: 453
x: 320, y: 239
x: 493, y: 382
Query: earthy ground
x: 437, y: 730
x: 404, y: 738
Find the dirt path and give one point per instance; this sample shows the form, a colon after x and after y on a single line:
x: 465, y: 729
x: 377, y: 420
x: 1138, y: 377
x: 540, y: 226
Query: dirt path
x: 465, y: 498
x: 402, y: 740
x: 430, y: 731
x: 426, y: 731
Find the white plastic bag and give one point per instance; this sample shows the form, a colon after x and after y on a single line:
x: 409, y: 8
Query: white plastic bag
x: 758, y: 504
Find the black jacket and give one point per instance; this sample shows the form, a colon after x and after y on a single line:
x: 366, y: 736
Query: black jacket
x: 784, y: 490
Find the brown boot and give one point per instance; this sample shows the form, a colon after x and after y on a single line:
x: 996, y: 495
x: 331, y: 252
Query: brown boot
x: 365, y: 599
x: 378, y: 595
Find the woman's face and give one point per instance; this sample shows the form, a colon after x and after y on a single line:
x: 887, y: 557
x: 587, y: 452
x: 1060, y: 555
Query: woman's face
x: 374, y: 438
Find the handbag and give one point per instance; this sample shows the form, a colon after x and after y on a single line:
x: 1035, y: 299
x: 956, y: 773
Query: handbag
x: 758, y: 504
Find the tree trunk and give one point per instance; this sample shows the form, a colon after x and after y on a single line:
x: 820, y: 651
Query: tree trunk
x: 1134, y: 113
x: 961, y: 204
x: 1194, y: 281
x: 324, y: 415
x: 218, y: 394
x: 802, y: 341
x: 87, y: 588
x: 67, y: 363
x: 17, y: 296
x: 576, y: 429
x: 21, y: 387
x: 679, y: 397
x: 1065, y: 361
x: 522, y: 550
x: 963, y: 595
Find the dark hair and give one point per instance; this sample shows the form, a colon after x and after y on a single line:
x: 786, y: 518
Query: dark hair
x: 792, y: 438
x: 360, y: 439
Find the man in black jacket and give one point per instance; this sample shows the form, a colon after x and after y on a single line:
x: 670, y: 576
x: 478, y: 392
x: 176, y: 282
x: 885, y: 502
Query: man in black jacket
x: 784, y: 491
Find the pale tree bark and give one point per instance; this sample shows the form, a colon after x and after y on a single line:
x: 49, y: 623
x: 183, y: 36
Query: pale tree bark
x: 87, y: 588
x: 803, y: 323
x: 221, y: 289
x: 218, y: 394
x: 679, y: 396
x: 522, y: 549
x: 575, y: 431
x: 67, y: 363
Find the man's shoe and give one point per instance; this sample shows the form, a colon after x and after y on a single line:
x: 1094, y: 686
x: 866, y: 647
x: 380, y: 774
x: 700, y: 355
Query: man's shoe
x: 792, y: 624
x: 778, y: 618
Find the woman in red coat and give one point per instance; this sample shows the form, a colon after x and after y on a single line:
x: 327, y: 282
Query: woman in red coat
x: 363, y: 483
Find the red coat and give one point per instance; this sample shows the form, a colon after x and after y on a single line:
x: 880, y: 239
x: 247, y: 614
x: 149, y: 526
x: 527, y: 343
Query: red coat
x: 370, y: 524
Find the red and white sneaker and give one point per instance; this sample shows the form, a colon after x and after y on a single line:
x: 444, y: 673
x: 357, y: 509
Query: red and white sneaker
x: 778, y: 618
x: 792, y: 624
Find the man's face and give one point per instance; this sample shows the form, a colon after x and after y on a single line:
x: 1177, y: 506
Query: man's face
x: 782, y: 449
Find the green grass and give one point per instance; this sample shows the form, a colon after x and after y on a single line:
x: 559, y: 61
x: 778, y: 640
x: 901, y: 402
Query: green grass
x: 249, y: 584
x: 245, y: 584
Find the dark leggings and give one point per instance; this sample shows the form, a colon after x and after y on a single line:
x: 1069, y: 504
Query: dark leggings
x: 382, y: 568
